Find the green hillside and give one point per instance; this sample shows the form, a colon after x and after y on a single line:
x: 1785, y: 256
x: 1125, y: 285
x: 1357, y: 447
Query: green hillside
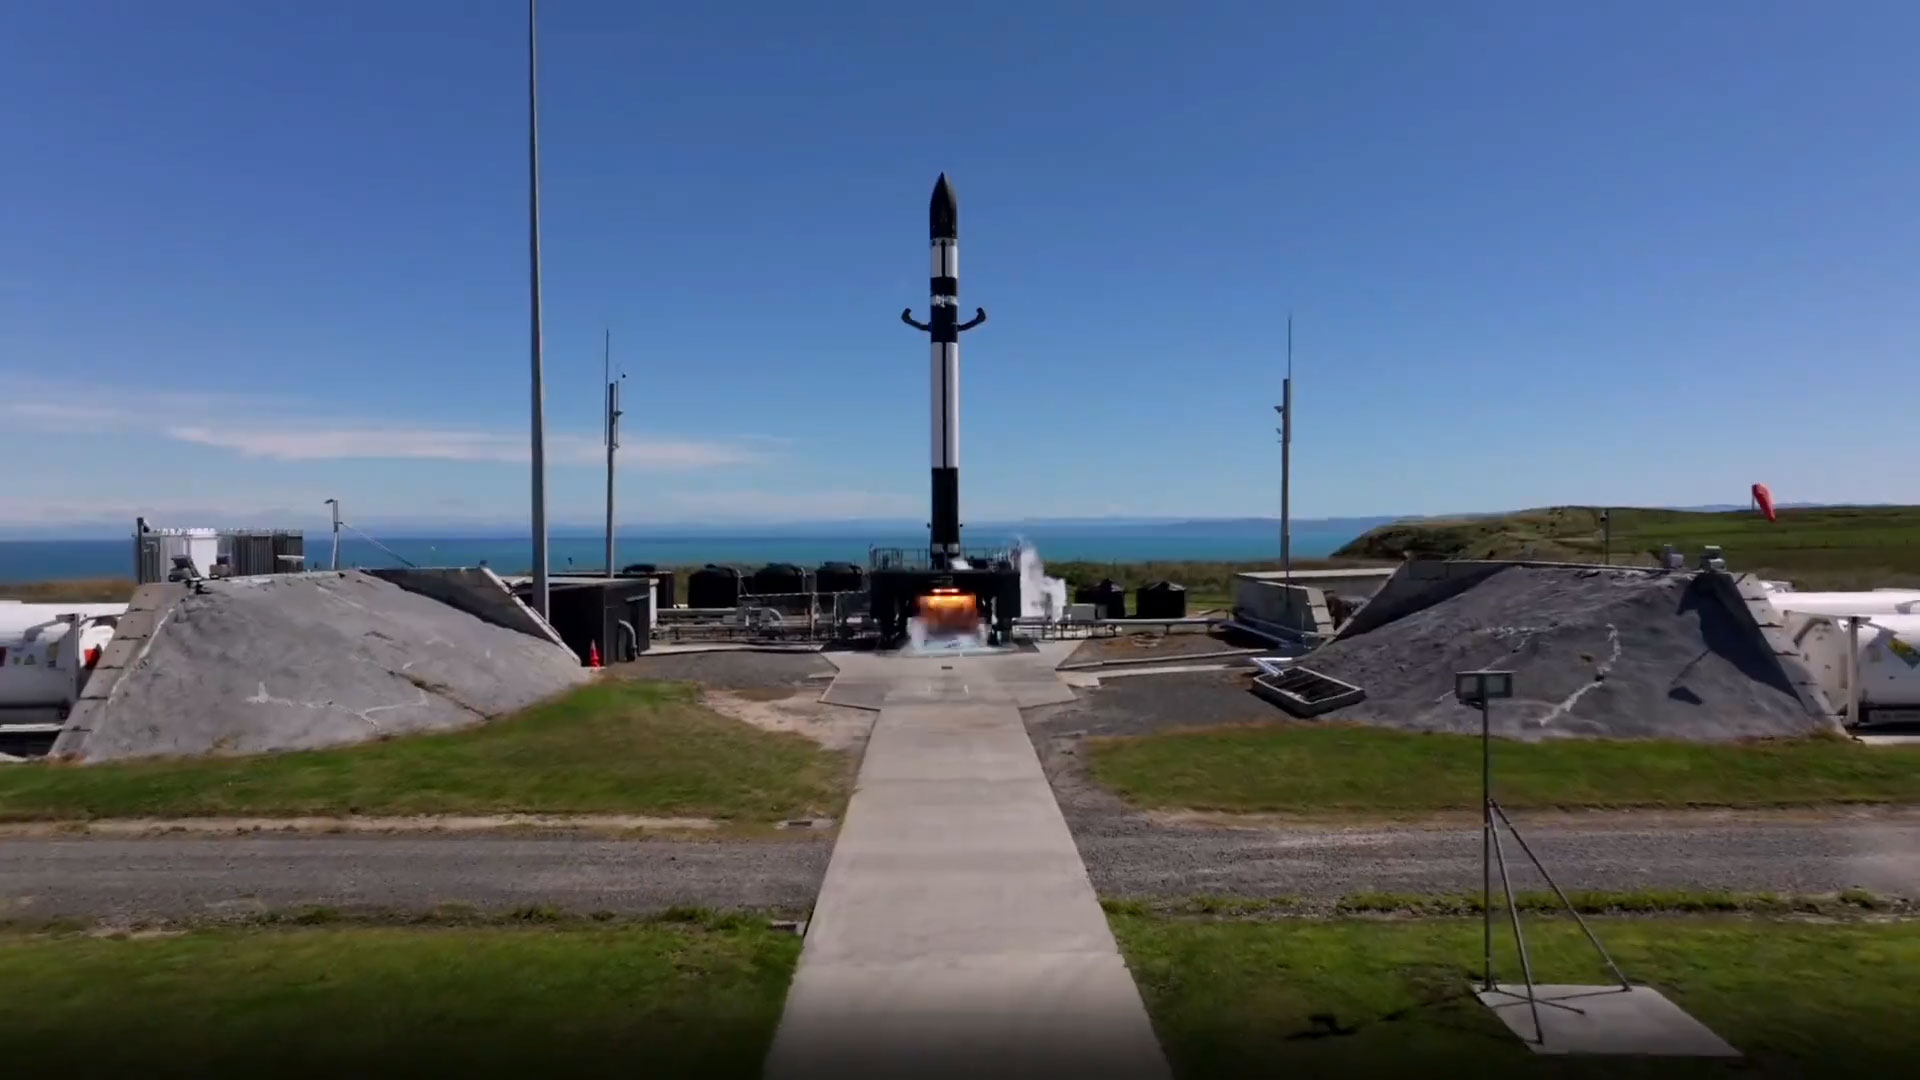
x: 1828, y: 547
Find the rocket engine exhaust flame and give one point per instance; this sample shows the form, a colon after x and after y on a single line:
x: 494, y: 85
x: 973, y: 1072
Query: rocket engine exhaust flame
x: 949, y: 613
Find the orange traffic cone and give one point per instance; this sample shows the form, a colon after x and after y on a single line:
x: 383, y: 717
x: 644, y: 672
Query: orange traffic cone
x: 593, y: 654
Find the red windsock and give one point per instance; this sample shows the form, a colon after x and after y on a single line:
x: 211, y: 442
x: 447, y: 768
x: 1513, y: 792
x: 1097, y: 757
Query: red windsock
x: 593, y: 654
x: 1763, y: 499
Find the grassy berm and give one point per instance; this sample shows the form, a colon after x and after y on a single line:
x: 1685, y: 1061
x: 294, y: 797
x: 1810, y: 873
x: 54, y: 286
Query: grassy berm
x: 615, y: 747
x: 657, y: 999
x: 1826, y: 548
x: 75, y: 590
x: 1323, y: 768
x: 1357, y: 997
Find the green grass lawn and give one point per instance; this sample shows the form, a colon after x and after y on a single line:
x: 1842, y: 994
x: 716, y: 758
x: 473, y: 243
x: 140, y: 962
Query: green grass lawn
x: 1317, y: 768
x: 1239, y: 999
x: 617, y: 747
x: 650, y: 999
x: 1833, y: 548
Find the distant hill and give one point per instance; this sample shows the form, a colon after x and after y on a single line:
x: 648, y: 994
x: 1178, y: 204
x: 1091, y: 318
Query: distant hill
x: 1817, y: 546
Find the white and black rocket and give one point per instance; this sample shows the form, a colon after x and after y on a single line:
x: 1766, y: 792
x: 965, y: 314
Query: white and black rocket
x: 943, y: 329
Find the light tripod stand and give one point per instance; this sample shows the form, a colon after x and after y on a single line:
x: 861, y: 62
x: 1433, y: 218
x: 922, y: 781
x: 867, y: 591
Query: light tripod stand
x: 1477, y: 688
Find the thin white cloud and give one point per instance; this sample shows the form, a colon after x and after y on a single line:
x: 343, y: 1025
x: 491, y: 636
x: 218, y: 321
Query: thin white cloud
x: 317, y: 443
x: 57, y: 412
x: 273, y: 429
x: 304, y: 509
x: 238, y: 511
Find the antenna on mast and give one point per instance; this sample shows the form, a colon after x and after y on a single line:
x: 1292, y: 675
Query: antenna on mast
x: 612, y: 386
x: 1285, y: 409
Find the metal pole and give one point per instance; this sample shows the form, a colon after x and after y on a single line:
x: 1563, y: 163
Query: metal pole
x: 1853, y: 671
x: 1486, y: 840
x: 539, y: 394
x: 1519, y: 941
x: 335, y: 503
x: 1592, y: 939
x: 613, y: 439
x: 1286, y: 477
x: 1286, y: 459
x: 1606, y: 535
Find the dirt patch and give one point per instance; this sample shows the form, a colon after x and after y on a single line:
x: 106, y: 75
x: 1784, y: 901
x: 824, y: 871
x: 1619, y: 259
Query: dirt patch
x: 834, y: 727
x: 434, y: 823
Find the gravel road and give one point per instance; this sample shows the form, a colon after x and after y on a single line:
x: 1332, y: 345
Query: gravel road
x: 1877, y: 852
x: 207, y: 877
x: 214, y: 877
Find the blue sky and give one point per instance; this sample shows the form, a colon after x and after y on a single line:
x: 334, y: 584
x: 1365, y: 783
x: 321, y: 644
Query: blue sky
x: 255, y: 255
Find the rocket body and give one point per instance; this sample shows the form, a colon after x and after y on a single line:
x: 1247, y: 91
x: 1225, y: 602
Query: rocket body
x: 943, y: 335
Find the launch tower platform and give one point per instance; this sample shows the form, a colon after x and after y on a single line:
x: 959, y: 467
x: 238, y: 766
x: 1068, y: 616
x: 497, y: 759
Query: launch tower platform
x: 899, y: 581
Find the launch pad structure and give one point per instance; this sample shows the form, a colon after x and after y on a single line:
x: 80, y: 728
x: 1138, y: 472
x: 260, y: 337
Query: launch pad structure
x: 949, y: 589
x: 904, y: 583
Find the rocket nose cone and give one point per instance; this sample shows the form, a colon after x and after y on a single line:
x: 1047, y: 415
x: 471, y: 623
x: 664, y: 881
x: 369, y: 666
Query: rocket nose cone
x: 943, y: 212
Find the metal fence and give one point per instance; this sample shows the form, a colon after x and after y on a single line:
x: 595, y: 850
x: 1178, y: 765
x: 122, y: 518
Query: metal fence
x: 920, y: 559
x: 215, y: 552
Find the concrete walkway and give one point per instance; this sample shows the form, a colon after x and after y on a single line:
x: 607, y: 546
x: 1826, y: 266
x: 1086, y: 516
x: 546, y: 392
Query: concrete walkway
x: 956, y: 933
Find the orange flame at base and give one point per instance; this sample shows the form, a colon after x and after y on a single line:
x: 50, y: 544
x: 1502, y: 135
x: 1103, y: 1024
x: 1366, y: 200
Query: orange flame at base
x: 949, y: 611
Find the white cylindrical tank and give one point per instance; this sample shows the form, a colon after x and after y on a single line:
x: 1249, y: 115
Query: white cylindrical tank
x: 16, y: 617
x: 1877, y: 602
x: 44, y: 666
x: 1890, y: 661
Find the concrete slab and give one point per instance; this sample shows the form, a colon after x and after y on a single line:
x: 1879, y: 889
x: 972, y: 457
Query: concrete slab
x: 1888, y: 740
x: 956, y: 932
x: 855, y: 693
x: 1609, y: 1020
x: 1049, y: 1015
x: 954, y: 818
x: 1168, y: 669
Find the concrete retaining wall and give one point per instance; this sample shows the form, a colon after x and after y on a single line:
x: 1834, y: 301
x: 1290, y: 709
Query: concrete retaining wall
x: 1300, y: 608
x: 1815, y: 680
x: 477, y: 591
x: 1419, y: 583
x: 146, y: 614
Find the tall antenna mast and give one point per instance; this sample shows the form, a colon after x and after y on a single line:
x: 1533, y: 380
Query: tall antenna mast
x: 1285, y: 409
x: 539, y: 433
x: 613, y: 435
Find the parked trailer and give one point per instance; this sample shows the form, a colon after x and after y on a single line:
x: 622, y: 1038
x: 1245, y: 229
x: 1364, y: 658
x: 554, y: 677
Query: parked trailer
x: 1887, y: 656
x: 1890, y: 662
x: 43, y: 668
x: 17, y: 617
x: 1877, y: 602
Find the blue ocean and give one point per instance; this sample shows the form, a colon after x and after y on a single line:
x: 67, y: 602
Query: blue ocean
x: 48, y: 560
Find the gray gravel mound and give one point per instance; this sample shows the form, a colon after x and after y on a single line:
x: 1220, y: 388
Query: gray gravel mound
x: 1594, y: 653
x: 303, y: 661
